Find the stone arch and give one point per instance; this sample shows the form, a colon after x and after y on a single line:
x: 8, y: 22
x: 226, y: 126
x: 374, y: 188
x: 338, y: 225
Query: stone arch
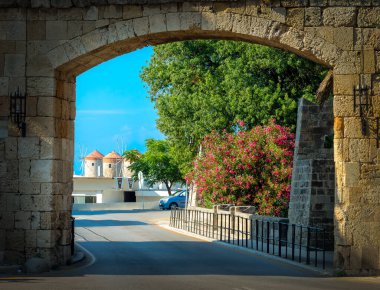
x: 48, y: 43
x: 101, y: 44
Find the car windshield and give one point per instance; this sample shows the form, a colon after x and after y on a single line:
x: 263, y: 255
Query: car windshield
x: 179, y: 193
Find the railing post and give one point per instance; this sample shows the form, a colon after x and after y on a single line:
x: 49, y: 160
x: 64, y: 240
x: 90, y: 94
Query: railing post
x: 72, y: 245
x: 293, y: 238
x: 324, y: 248
x: 279, y: 239
x: 308, y: 247
x: 267, y: 236
x: 257, y: 234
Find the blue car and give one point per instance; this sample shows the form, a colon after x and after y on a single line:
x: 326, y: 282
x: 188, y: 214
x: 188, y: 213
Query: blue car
x: 178, y: 199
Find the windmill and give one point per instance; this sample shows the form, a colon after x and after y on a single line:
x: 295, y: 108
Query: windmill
x: 82, y: 155
x: 119, y: 165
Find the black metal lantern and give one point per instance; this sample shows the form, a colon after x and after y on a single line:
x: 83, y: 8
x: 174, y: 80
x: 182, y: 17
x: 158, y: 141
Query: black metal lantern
x: 362, y: 102
x: 18, y: 110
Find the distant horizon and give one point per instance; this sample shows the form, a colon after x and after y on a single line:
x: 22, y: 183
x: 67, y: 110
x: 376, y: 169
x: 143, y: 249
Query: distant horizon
x: 113, y: 111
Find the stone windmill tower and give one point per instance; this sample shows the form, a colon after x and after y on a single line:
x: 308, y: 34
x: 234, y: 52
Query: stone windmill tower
x: 112, y: 165
x: 93, y: 164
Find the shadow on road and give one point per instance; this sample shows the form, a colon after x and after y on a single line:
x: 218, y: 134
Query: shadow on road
x: 106, y: 223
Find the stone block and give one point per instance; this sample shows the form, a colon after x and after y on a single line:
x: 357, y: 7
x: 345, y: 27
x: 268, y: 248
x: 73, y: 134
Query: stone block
x: 6, y: 220
x: 351, y: 174
x: 42, y: 170
x: 41, y: 86
x: 45, y: 238
x: 224, y: 22
x: 29, y: 147
x: 70, y: 14
x: 339, y: 127
x: 48, y: 107
x: 208, y: 21
x: 40, y: 3
x: 313, y: 16
x: 359, y: 150
x: 12, y: 14
x: 339, y: 16
x: 369, y: 38
x: 296, y: 18
x: 35, y: 219
x: 37, y: 203
x: 344, y: 106
x: 31, y: 238
x: 11, y: 148
x: 56, y: 30
x: 344, y: 84
x: 369, y: 17
x: 12, y: 30
x: 32, y: 107
x: 113, y: 11
x: 74, y: 29
x: 91, y: 13
x: 190, y: 20
x: 36, y: 30
x: 4, y: 104
x: 294, y: 3
x: 369, y: 61
x: 4, y: 81
x: 157, y: 23
x: 173, y: 22
x: 141, y: 26
x: 344, y: 37
x: 149, y: 10
x: 27, y: 187
x: 46, y: 220
x: 319, y: 3
x: 353, y: 128
x: 22, y: 220
x: 50, y: 148
x: 132, y: 11
x: 14, y: 65
x: 94, y: 39
x: 15, y: 240
x: 278, y: 14
x: 125, y: 29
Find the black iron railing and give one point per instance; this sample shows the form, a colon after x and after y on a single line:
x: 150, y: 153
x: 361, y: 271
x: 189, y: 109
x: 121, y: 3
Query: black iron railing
x: 304, y: 244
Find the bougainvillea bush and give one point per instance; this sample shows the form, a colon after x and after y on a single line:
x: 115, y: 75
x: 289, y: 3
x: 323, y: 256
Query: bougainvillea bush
x: 246, y: 168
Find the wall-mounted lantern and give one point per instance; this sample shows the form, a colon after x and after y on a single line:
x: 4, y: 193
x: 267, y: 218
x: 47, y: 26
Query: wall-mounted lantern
x: 18, y: 110
x: 362, y: 102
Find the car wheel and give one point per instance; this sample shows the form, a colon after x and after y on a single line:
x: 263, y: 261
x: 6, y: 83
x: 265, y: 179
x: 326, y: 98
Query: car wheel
x: 173, y: 205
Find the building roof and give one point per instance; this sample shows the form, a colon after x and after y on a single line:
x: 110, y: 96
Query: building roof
x: 94, y: 155
x: 112, y: 157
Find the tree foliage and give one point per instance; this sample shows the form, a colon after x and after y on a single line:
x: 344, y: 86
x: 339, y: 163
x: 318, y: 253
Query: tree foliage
x: 246, y: 168
x: 156, y: 164
x: 205, y: 85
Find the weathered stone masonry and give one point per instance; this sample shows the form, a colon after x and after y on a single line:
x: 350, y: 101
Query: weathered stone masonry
x: 45, y: 44
x: 313, y: 179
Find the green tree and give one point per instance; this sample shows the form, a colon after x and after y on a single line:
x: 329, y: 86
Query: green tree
x: 156, y: 164
x: 205, y: 85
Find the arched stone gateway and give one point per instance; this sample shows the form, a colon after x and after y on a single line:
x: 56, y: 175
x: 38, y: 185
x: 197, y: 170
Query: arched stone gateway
x: 45, y: 44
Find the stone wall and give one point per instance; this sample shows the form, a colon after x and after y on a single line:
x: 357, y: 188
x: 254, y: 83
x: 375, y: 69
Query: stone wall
x: 313, y: 180
x: 45, y: 44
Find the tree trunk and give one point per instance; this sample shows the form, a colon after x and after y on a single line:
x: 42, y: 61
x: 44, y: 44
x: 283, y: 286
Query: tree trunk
x: 168, y: 187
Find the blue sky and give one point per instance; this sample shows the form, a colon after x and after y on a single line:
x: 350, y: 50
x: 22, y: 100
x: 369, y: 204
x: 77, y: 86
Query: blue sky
x: 113, y: 110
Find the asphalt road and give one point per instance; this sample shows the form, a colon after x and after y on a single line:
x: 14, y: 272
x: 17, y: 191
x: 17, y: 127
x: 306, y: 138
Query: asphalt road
x: 131, y: 252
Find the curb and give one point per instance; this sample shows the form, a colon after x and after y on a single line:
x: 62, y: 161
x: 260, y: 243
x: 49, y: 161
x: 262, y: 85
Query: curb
x: 250, y: 251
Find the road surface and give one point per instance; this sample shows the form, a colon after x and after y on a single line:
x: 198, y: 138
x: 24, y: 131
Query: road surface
x: 131, y: 252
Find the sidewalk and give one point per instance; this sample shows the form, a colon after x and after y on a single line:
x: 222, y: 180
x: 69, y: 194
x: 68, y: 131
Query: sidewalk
x: 285, y: 251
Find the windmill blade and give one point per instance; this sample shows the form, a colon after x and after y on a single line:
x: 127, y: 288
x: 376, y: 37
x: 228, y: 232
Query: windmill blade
x: 82, y: 155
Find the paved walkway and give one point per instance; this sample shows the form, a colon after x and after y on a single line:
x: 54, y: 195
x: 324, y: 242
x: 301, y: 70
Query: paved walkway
x: 131, y: 252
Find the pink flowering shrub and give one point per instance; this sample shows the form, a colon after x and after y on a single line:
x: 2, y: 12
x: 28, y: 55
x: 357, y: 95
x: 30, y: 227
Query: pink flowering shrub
x: 246, y: 168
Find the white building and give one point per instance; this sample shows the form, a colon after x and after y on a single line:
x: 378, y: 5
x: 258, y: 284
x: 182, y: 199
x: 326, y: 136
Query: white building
x: 107, y: 179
